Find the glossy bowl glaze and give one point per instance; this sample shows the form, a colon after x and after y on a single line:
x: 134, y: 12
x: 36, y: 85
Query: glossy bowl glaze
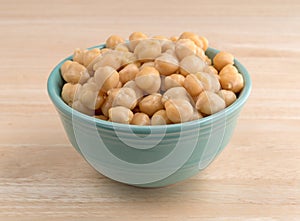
x: 148, y: 156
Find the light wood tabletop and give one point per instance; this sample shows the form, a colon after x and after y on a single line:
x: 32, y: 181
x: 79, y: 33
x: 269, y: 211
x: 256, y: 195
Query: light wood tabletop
x: 257, y: 176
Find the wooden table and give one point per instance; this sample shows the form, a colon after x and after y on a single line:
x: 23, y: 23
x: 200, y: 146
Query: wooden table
x: 257, y: 177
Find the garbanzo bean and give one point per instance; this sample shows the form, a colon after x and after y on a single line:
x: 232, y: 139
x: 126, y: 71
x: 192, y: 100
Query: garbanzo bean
x: 193, y: 37
x: 113, y: 41
x: 191, y: 65
x: 204, y: 42
x: 210, y: 82
x: 90, y: 55
x: 107, y: 78
x: 230, y: 79
x: 147, y: 64
x: 135, y: 38
x: 160, y: 118
x: 108, y: 102
x: 148, y: 80
x: 101, y: 117
x: 228, y: 96
x: 140, y: 119
x: 210, y: 69
x: 125, y: 97
x: 70, y: 92
x: 209, y: 103
x: 73, y: 72
x: 120, y: 114
x: 90, y: 97
x: 166, y: 64
x: 147, y: 50
x: 131, y: 84
x: 128, y: 73
x: 179, y: 110
x: 222, y: 59
x: 77, y: 105
x: 176, y: 93
x: 151, y: 103
x: 193, y: 85
x: 185, y: 47
x: 196, y: 115
x: 174, y: 80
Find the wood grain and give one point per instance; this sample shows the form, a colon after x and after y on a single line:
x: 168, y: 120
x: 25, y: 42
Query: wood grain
x: 257, y: 177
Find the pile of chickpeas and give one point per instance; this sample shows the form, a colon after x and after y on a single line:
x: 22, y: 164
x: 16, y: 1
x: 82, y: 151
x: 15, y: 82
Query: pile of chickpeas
x: 150, y: 81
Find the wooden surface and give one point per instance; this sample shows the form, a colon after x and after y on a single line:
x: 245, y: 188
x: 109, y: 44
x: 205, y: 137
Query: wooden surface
x: 257, y: 177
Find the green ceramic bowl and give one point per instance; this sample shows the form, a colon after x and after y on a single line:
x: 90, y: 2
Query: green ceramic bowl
x: 148, y: 156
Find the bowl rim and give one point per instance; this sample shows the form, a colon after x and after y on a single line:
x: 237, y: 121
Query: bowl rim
x: 67, y: 110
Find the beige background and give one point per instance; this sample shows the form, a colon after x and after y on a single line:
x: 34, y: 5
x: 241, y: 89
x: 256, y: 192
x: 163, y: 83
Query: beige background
x: 257, y: 177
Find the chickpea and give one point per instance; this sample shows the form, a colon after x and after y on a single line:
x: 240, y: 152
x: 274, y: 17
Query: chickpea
x: 179, y: 110
x: 196, y: 115
x: 73, y: 72
x: 166, y: 64
x: 101, y: 117
x: 78, y: 55
x: 167, y: 45
x: 90, y: 67
x: 176, y: 93
x: 191, y: 65
x: 147, y: 50
x: 113, y: 41
x: 90, y: 97
x: 77, y: 105
x: 160, y: 118
x: 210, y: 69
x: 140, y: 119
x: 204, y: 42
x: 85, y: 57
x: 90, y: 55
x: 135, y: 38
x: 151, y: 103
x: 125, y: 97
x: 210, y: 82
x: 105, y: 50
x: 209, y: 103
x: 148, y: 79
x: 120, y: 114
x: 193, y: 85
x: 92, y: 83
x: 147, y: 64
x: 174, y: 38
x: 228, y: 96
x: 128, y: 73
x: 132, y: 85
x: 231, y: 79
x: 122, y: 47
x: 106, y: 78
x: 126, y: 58
x: 229, y: 68
x: 108, y: 102
x: 185, y: 47
x: 222, y: 59
x: 193, y: 37
x: 70, y: 92
x: 174, y: 80
x: 109, y: 59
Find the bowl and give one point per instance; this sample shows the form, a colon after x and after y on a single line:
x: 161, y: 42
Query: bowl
x: 148, y: 156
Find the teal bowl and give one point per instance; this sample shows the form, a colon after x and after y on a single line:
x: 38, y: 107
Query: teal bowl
x: 148, y: 156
